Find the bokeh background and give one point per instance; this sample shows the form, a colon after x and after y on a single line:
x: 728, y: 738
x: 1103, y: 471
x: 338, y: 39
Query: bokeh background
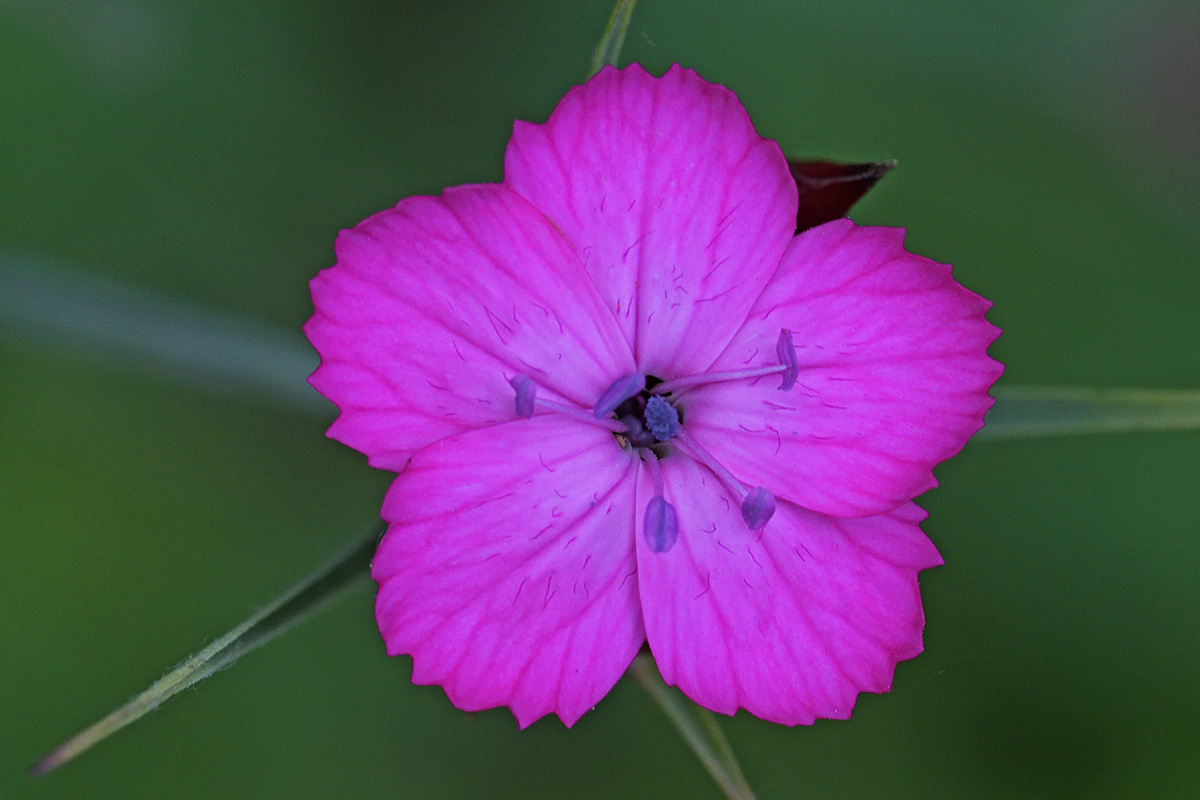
x: 210, y: 150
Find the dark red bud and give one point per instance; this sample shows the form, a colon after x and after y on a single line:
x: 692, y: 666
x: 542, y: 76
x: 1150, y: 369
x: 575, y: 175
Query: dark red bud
x: 829, y: 188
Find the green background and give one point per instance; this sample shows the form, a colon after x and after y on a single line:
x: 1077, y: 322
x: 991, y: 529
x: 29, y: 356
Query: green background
x: 211, y: 150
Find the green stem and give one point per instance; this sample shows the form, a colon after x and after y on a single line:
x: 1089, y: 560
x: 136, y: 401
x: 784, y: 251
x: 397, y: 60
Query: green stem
x: 297, y: 603
x: 698, y: 727
x: 609, y: 49
x: 1023, y: 412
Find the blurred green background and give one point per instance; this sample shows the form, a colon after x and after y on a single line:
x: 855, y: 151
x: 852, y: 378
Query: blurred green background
x: 211, y: 150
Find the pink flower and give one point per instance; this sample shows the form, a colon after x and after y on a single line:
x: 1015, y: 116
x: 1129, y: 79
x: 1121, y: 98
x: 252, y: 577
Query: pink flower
x: 627, y: 405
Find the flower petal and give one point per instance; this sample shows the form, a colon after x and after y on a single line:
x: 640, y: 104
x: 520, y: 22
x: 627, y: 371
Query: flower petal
x: 790, y: 623
x: 893, y: 376
x: 435, y: 304
x: 678, y: 209
x: 508, y: 570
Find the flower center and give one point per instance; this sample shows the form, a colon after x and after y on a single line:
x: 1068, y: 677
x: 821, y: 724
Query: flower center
x: 649, y: 419
x: 641, y: 412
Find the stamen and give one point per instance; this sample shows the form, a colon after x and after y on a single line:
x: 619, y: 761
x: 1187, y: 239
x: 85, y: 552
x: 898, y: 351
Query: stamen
x: 660, y: 526
x: 526, y: 391
x: 527, y: 399
x: 679, y: 384
x: 651, y: 462
x: 583, y: 416
x: 758, y: 504
x: 693, y: 449
x: 786, y: 351
x: 622, y: 389
x: 788, y: 367
x: 758, y: 508
x: 661, y: 418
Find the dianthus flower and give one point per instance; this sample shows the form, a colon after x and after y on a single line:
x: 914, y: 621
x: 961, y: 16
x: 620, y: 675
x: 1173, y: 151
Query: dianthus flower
x: 628, y: 405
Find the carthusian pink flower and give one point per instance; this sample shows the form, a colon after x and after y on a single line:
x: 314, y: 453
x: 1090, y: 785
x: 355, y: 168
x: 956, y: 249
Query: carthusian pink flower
x: 627, y: 405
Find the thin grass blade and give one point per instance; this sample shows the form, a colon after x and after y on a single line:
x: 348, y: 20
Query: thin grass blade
x: 308, y: 596
x: 609, y: 50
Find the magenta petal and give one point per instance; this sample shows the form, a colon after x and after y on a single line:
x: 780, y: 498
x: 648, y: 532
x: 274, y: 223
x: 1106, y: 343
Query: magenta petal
x: 893, y: 375
x: 508, y: 571
x: 434, y: 305
x: 790, y: 623
x: 678, y: 209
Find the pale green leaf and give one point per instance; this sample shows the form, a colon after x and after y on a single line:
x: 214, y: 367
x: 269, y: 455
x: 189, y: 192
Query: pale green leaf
x: 49, y: 303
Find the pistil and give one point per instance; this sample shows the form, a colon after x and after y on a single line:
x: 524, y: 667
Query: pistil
x: 662, y: 419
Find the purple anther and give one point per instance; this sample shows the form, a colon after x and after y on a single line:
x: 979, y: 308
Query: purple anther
x: 661, y: 418
x: 786, y: 351
x: 758, y: 508
x: 526, y: 391
x: 661, y: 526
x: 622, y: 389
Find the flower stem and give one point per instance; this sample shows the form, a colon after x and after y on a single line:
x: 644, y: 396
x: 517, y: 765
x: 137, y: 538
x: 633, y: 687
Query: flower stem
x: 609, y: 49
x: 698, y: 727
x: 297, y: 603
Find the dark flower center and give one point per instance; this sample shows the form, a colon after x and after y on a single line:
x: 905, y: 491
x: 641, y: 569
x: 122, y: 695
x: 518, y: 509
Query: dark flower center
x: 651, y: 419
